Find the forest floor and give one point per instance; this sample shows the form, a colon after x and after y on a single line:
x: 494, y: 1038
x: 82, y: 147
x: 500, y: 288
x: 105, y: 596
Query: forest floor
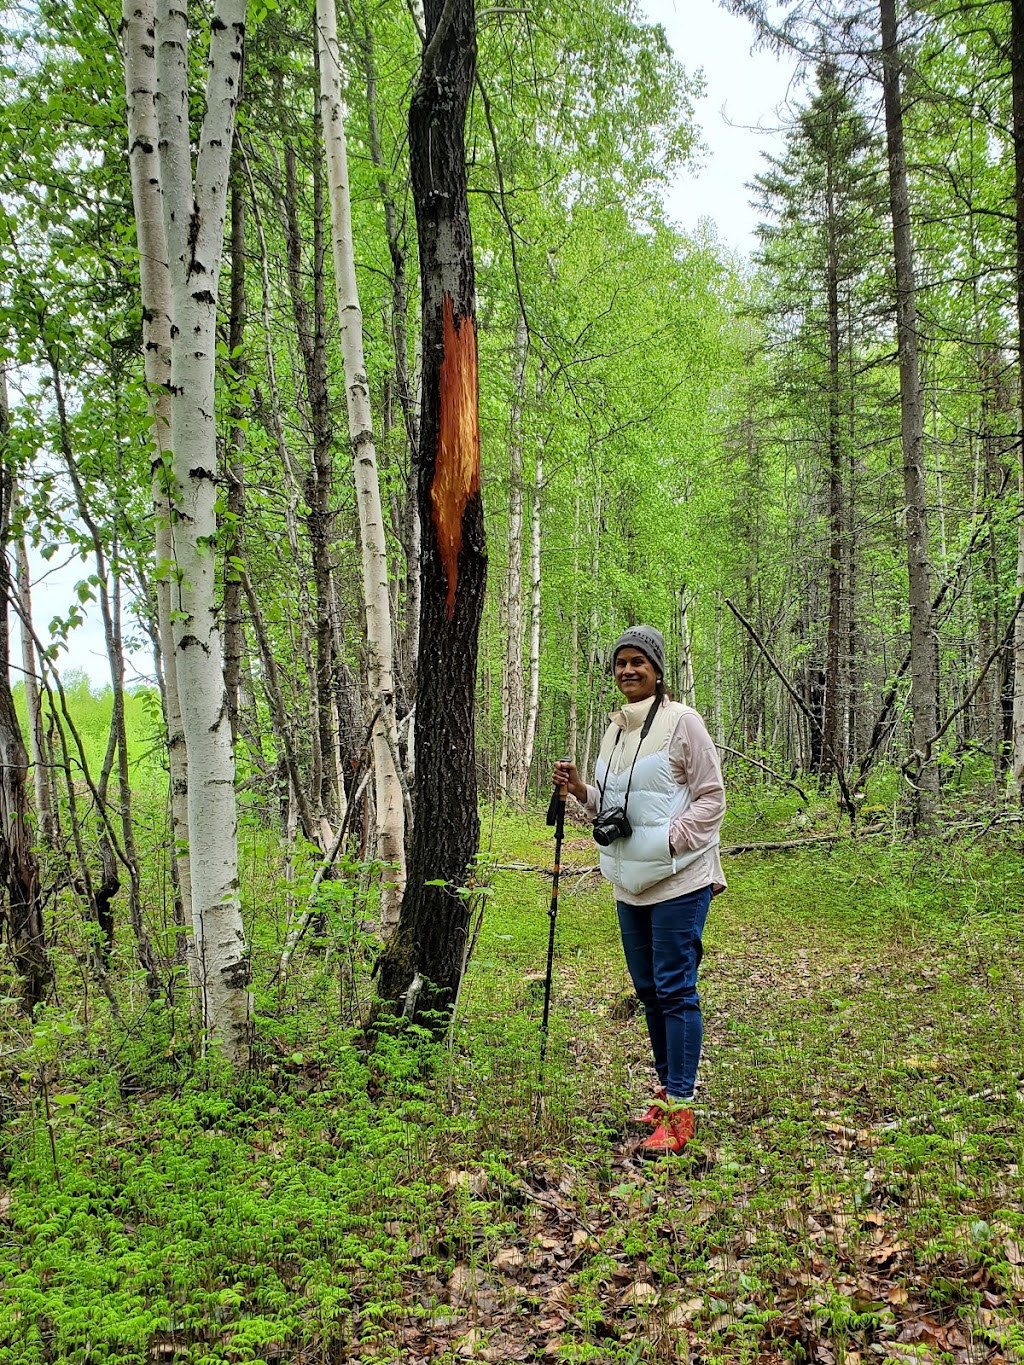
x: 854, y: 1193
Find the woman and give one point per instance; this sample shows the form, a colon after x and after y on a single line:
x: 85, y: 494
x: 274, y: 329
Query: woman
x: 659, y: 767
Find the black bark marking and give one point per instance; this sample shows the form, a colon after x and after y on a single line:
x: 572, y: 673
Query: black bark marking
x: 187, y: 641
x: 236, y: 974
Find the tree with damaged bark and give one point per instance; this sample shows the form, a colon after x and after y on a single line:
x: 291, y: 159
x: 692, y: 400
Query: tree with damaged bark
x: 422, y: 964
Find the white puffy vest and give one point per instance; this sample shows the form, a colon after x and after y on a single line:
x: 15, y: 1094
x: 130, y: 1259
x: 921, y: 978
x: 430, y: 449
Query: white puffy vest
x: 655, y: 798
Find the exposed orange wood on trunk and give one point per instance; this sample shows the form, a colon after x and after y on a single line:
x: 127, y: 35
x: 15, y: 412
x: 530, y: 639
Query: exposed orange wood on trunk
x: 457, y: 465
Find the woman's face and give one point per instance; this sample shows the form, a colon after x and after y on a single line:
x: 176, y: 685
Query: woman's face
x: 635, y: 675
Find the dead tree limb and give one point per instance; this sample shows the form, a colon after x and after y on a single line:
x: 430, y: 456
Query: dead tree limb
x: 787, y: 781
x: 848, y: 801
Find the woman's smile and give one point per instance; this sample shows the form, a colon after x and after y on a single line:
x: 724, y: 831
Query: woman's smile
x: 635, y: 675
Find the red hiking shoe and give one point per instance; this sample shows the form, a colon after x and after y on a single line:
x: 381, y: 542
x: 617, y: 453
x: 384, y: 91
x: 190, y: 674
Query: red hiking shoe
x: 674, y: 1131
x: 652, y: 1116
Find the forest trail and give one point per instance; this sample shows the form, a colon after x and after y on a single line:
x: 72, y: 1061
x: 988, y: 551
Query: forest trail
x: 853, y: 1193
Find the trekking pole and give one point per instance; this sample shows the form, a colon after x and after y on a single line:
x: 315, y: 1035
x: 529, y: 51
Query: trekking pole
x: 556, y: 817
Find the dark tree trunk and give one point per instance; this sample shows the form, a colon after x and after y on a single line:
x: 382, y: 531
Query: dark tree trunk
x: 320, y: 477
x: 831, y: 749
x: 19, y: 873
x: 923, y: 656
x: 1017, y: 100
x: 423, y: 960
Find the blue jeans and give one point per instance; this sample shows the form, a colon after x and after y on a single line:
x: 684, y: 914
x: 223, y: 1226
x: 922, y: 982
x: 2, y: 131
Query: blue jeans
x: 663, y: 951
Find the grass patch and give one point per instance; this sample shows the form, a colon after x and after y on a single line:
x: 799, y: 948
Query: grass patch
x: 854, y: 1192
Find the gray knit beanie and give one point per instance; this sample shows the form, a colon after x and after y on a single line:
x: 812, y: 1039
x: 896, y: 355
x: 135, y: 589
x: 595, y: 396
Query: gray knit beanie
x: 648, y: 640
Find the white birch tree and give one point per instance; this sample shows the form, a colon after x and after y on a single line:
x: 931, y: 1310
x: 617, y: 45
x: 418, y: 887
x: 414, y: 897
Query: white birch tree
x: 511, y: 767
x: 390, y: 810
x: 180, y: 219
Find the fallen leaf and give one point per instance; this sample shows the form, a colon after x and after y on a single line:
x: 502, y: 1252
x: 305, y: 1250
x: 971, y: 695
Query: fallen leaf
x: 469, y: 1343
x: 464, y: 1279
x: 722, y: 1321
x: 725, y: 1265
x: 560, y: 1297
x: 508, y: 1258
x: 640, y: 1294
x: 473, y: 1181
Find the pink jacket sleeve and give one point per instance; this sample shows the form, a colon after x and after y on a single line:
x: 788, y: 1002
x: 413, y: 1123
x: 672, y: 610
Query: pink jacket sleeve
x: 694, y: 760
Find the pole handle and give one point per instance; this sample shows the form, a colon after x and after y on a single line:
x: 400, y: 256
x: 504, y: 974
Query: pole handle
x: 557, y: 798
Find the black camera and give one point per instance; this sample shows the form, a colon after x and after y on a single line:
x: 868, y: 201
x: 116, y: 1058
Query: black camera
x: 611, y: 825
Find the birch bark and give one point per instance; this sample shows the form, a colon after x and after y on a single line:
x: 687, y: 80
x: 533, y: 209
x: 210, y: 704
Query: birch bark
x: 138, y: 26
x: 406, y: 379
x: 390, y: 812
x: 193, y: 213
x: 511, y: 767
x: 533, y: 704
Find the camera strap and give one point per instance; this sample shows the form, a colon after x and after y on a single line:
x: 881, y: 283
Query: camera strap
x: 648, y: 722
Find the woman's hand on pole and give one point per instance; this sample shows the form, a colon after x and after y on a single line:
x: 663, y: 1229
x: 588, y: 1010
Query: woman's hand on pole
x: 566, y: 775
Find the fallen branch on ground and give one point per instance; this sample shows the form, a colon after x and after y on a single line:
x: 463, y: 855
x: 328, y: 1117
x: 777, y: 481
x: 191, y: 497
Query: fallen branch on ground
x: 726, y: 850
x: 860, y: 1135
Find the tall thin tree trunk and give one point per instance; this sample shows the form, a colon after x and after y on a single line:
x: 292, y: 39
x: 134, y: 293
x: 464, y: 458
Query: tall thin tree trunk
x: 307, y: 631
x: 234, y: 546
x: 19, y: 872
x: 389, y: 805
x: 924, y: 659
x: 194, y: 209
x: 29, y: 663
x: 511, y: 768
x: 311, y: 334
x: 1017, y: 88
x: 687, y: 682
x: 533, y: 700
x: 406, y: 379
x: 830, y: 759
x: 422, y: 963
x: 139, y: 28
x: 572, y: 739
x: 109, y: 595
x: 718, y: 706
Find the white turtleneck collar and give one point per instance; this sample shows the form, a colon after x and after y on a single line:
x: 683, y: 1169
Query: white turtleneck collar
x: 632, y: 714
